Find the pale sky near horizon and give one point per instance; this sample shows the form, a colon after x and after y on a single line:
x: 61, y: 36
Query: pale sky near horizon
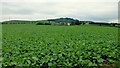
x: 94, y: 10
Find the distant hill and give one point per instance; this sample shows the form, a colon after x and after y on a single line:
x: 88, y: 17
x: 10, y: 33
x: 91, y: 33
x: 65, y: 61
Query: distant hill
x: 63, y: 20
x: 49, y: 21
x: 18, y: 22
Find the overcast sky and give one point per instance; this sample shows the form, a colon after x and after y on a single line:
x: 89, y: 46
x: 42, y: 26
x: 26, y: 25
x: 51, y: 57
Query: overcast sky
x: 38, y: 10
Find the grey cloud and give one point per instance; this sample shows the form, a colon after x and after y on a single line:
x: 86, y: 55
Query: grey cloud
x: 8, y: 11
x: 28, y: 8
x: 83, y: 11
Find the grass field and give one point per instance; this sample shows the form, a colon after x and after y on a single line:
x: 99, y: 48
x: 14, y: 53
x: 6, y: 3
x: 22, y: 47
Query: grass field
x: 45, y: 45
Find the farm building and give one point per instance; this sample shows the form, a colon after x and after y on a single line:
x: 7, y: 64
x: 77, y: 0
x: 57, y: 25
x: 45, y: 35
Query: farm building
x: 61, y: 23
x: 86, y: 22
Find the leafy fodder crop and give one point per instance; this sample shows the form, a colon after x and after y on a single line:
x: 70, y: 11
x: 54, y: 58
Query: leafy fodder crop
x: 0, y: 45
x: 31, y: 45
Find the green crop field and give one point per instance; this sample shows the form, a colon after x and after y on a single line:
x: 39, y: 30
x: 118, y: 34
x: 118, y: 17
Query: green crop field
x: 46, y: 45
x: 0, y: 45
